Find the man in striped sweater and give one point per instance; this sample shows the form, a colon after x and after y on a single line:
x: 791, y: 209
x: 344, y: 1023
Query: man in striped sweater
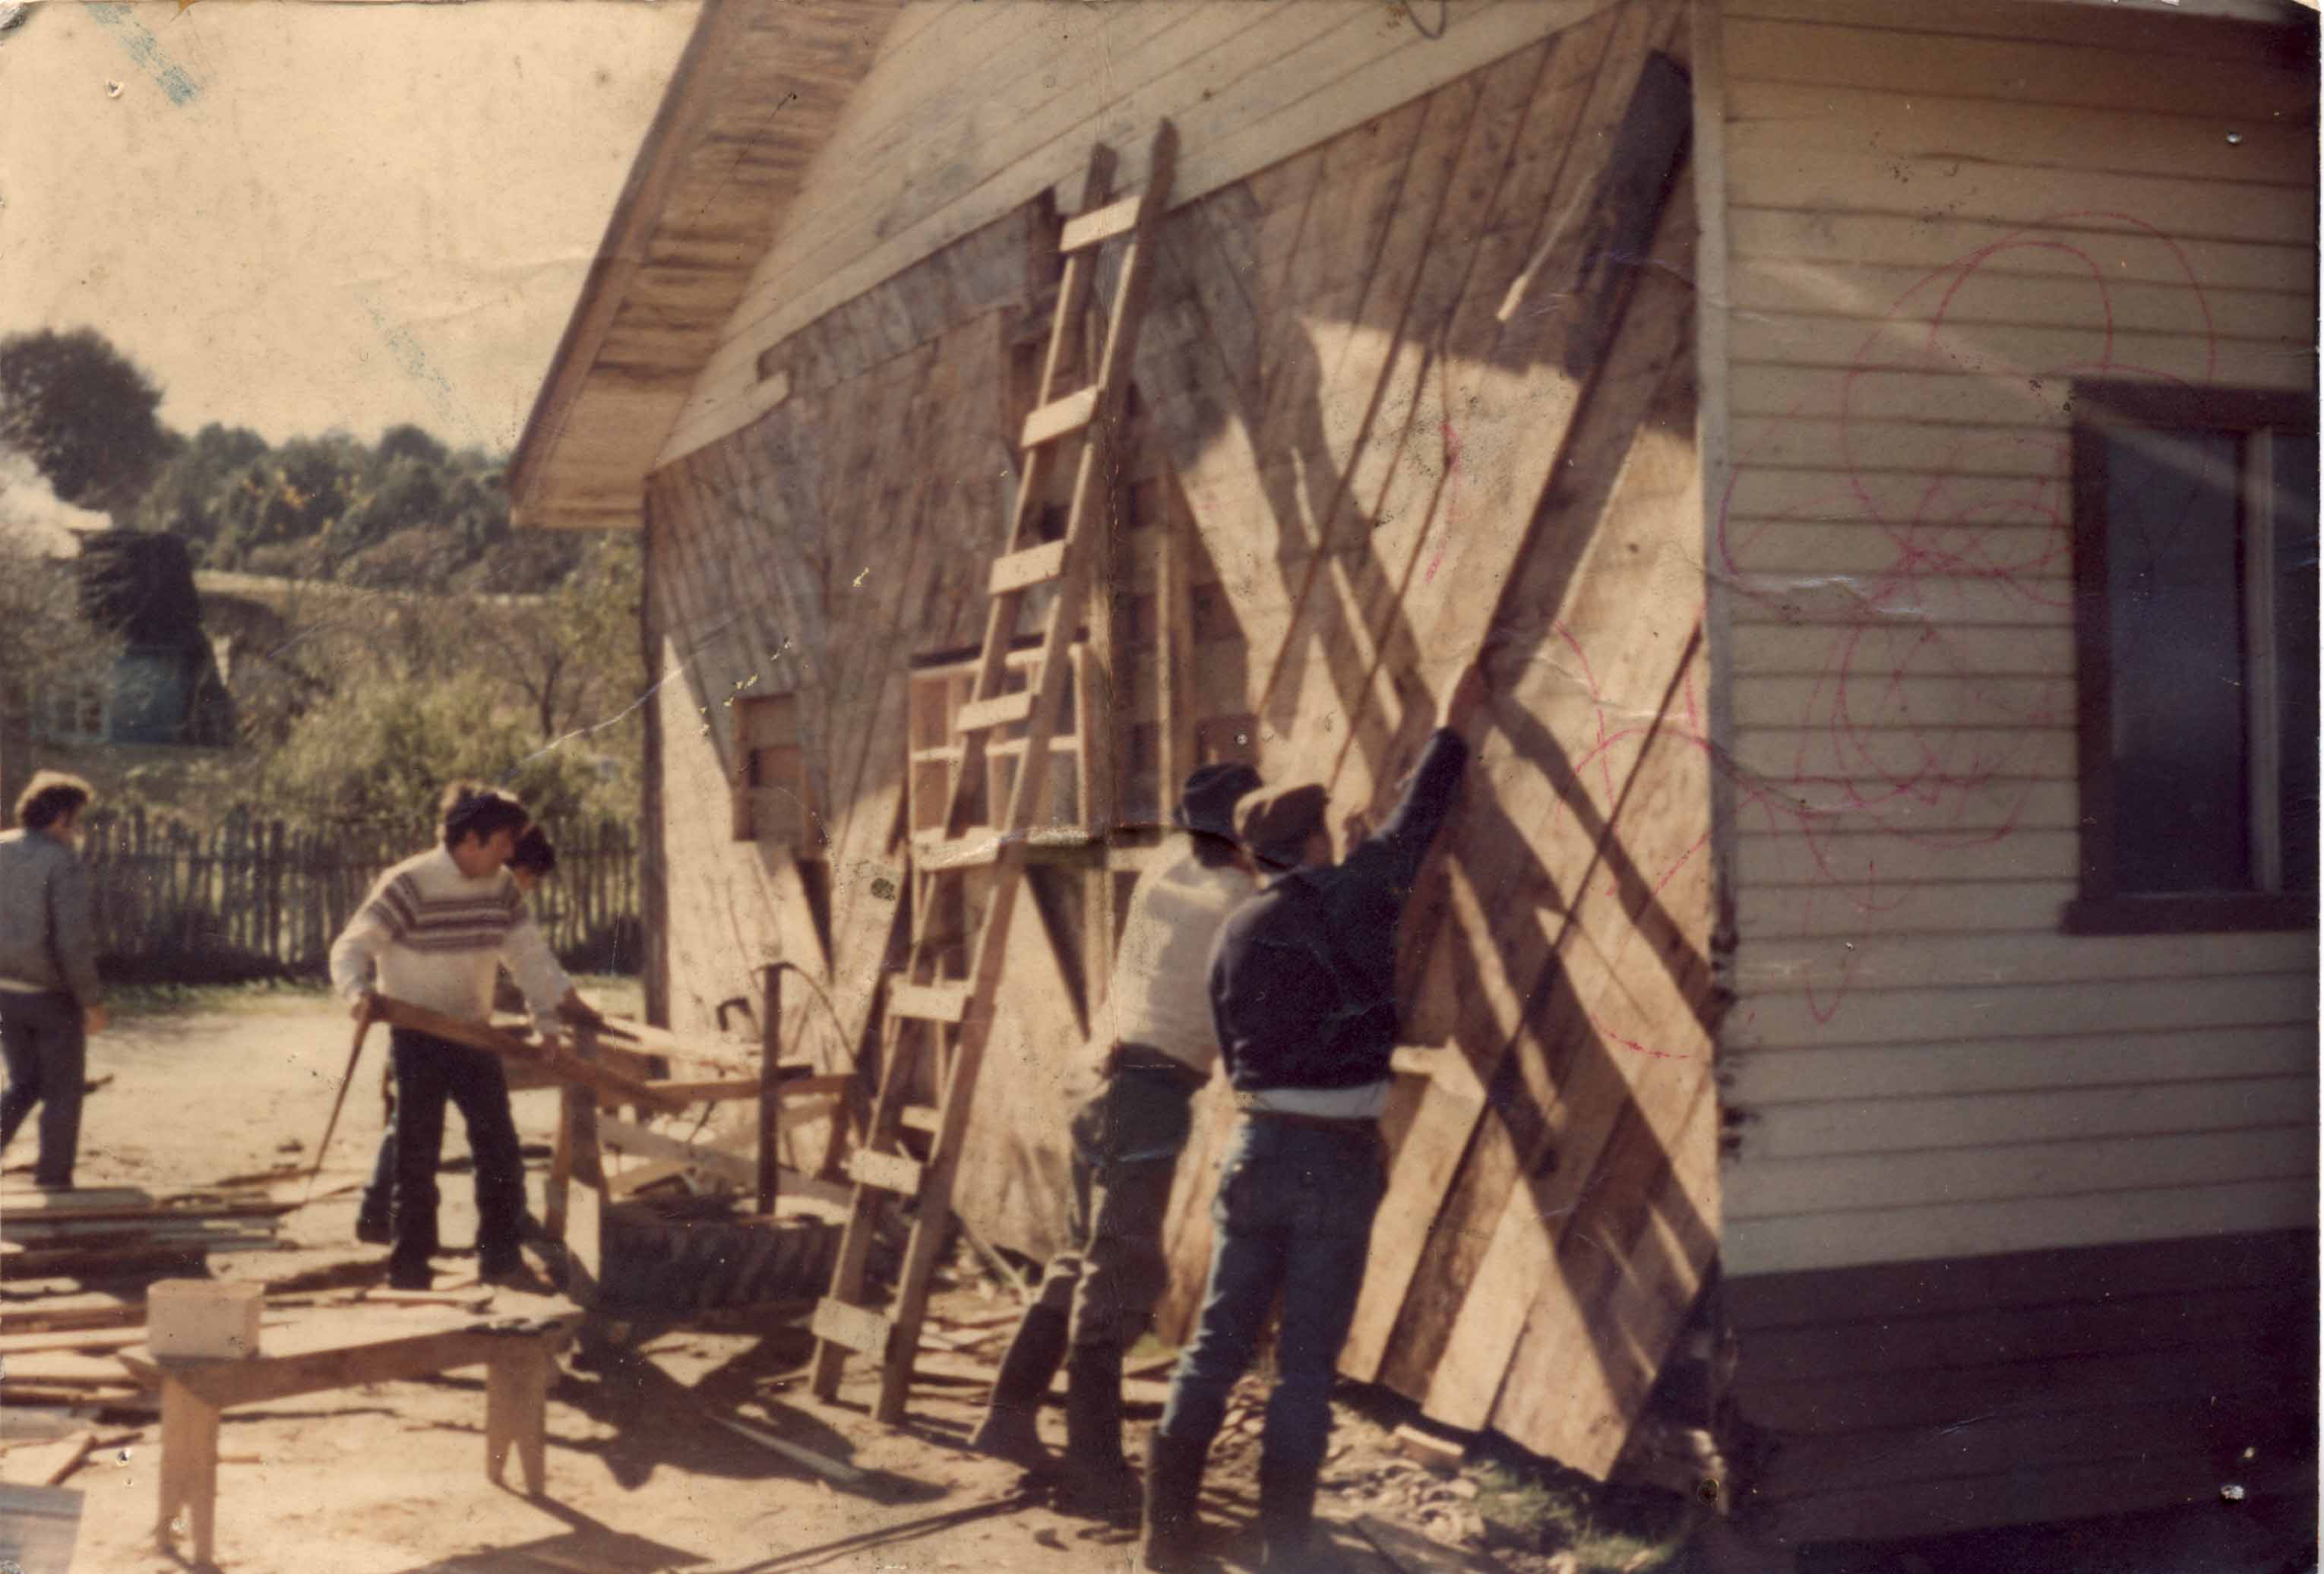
x: 433, y: 933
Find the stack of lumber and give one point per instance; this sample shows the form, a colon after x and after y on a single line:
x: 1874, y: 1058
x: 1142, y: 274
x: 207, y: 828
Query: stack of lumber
x: 120, y: 1230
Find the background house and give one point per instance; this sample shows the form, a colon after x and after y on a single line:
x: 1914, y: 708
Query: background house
x: 1842, y: 434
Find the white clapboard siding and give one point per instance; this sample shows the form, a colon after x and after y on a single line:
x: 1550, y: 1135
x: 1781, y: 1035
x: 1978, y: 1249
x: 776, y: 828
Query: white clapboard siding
x: 1772, y: 1077
x: 1876, y: 1127
x: 1945, y: 962
x: 1848, y: 1238
x: 1775, y: 1188
x: 1779, y: 650
x: 1890, y: 498
x: 1999, y: 907
x: 1840, y: 1017
x: 1993, y: 294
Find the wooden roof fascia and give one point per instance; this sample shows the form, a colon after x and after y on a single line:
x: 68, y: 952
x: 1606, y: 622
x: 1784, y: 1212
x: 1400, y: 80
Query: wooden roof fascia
x: 657, y: 170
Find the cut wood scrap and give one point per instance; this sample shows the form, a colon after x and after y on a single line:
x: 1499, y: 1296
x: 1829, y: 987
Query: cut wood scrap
x: 46, y: 1464
x: 1406, y: 1551
x: 1437, y: 1454
x: 49, y: 1320
x: 821, y: 1464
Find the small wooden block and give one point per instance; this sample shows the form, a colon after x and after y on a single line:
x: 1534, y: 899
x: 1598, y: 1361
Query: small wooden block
x: 1434, y: 1452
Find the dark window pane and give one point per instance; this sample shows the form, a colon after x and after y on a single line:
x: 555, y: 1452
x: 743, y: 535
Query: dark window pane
x: 2296, y: 649
x: 2175, y: 597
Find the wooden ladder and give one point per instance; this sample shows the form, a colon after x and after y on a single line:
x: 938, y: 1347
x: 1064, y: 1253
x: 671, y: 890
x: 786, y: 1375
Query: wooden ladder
x: 924, y: 1008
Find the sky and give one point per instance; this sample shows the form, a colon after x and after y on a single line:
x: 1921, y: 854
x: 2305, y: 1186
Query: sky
x: 297, y: 216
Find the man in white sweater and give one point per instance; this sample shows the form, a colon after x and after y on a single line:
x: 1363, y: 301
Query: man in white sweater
x: 1149, y: 1057
x: 433, y: 933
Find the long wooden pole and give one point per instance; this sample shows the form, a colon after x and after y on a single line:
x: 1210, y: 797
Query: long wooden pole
x: 363, y: 1016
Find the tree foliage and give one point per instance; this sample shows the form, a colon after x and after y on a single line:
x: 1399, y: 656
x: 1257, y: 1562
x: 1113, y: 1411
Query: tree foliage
x: 84, y: 415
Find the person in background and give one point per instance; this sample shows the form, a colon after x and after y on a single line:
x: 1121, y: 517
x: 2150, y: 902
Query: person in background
x: 1134, y: 1110
x: 431, y: 934
x: 1302, y: 988
x: 534, y: 860
x: 49, y: 997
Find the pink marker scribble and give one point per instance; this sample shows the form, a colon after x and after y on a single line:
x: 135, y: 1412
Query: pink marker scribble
x: 1912, y: 733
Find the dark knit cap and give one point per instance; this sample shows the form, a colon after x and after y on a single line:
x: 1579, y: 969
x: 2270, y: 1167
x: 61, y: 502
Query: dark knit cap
x: 1275, y: 825
x: 1206, y: 803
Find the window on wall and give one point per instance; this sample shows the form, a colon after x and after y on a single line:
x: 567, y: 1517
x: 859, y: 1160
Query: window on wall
x: 771, y: 787
x: 2195, y: 609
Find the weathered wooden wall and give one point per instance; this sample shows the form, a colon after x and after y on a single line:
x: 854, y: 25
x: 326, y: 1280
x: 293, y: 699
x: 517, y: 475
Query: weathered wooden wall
x: 1931, y: 223
x: 975, y: 106
x: 1421, y: 393
x: 1928, y: 1064
x: 1433, y: 328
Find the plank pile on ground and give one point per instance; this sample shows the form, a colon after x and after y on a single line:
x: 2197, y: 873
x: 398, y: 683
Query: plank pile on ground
x: 109, y: 1231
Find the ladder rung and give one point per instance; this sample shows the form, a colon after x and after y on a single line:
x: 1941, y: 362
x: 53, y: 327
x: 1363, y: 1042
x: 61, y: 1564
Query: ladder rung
x: 928, y: 1002
x: 859, y: 1328
x: 1100, y: 225
x: 1034, y: 565
x: 1059, y: 417
x: 924, y: 1117
x: 1000, y: 710
x: 935, y: 854
x: 891, y: 1172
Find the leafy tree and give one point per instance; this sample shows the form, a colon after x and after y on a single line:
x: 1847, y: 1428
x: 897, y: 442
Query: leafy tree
x: 84, y: 415
x: 571, y: 655
x: 46, y: 641
x: 376, y: 757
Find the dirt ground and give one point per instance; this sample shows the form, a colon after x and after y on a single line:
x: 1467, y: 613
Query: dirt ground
x: 388, y: 1479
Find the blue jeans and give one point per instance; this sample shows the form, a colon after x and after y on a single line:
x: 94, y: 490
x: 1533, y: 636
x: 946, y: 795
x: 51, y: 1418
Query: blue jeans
x: 48, y: 1062
x: 1295, y: 1210
x: 1125, y: 1144
x: 429, y: 1072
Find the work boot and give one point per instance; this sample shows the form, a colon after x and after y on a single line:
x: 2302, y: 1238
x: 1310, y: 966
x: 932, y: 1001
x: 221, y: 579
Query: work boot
x: 1174, y: 1482
x: 376, y: 1220
x: 1100, y: 1482
x: 1286, y: 1522
x: 1007, y: 1431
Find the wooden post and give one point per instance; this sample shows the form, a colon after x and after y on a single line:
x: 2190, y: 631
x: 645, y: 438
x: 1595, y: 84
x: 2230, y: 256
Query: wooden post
x: 189, y: 1432
x: 769, y: 1092
x: 557, y: 1194
x: 516, y: 1406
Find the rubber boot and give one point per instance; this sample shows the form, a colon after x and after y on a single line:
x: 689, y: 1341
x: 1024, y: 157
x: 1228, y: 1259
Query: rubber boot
x: 1174, y: 1482
x: 1100, y: 1482
x: 1007, y: 1431
x: 1286, y: 1520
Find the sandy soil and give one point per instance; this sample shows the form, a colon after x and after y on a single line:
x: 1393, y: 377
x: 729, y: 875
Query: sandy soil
x: 388, y: 1479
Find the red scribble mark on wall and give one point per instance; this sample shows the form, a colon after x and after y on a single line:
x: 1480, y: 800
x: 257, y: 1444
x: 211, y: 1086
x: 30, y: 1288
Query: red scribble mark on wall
x: 1910, y: 731
x: 1917, y: 745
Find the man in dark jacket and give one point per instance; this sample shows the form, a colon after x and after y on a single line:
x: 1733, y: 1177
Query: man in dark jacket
x: 1302, y: 989
x: 50, y: 999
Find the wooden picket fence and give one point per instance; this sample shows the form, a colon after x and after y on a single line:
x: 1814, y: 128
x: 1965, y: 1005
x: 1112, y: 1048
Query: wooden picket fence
x: 250, y: 898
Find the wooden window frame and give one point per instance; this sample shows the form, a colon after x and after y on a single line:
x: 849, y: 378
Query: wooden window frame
x: 939, y: 684
x: 749, y: 761
x: 2099, y: 409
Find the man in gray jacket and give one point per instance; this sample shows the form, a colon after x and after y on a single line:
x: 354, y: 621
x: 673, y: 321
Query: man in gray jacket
x: 49, y: 992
